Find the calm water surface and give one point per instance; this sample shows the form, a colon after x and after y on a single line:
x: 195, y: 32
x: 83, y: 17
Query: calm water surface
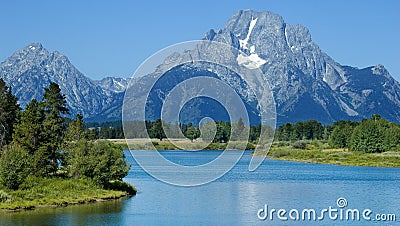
x: 235, y: 198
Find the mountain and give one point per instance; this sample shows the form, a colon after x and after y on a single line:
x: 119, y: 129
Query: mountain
x: 113, y: 84
x: 306, y: 83
x: 29, y: 70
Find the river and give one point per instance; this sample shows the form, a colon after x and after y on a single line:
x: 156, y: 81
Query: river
x: 240, y: 197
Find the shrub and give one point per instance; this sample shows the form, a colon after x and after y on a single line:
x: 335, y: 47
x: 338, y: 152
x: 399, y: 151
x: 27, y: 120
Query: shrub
x: 300, y: 144
x: 121, y: 186
x: 277, y: 153
x: 14, y: 167
x: 341, y: 135
x: 102, y: 161
x: 4, y: 197
x: 375, y: 135
x: 29, y: 182
x: 391, y: 139
x: 368, y: 136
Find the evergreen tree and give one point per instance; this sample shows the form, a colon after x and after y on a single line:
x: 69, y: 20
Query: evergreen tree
x: 391, y: 140
x: 156, y: 130
x: 223, y: 132
x: 208, y: 131
x: 285, y: 132
x: 28, y: 131
x: 299, y: 132
x: 54, y: 126
x: 102, y: 161
x: 238, y: 130
x: 254, y: 133
x: 192, y: 133
x: 9, y: 111
x: 76, y: 130
x: 341, y: 134
x: 368, y: 136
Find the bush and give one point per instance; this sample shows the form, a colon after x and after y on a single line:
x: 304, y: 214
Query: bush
x: 300, y: 144
x: 391, y: 139
x: 14, y: 167
x: 366, y: 138
x: 4, y: 197
x: 29, y: 182
x: 122, y: 186
x: 281, y: 143
x: 375, y: 135
x: 102, y: 161
x: 277, y: 153
x: 341, y: 136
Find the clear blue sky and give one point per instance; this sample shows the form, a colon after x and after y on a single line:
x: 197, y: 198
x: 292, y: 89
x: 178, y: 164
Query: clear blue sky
x: 112, y: 38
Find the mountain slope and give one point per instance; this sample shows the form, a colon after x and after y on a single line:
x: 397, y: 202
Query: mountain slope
x: 113, y: 84
x: 31, y: 69
x: 306, y: 82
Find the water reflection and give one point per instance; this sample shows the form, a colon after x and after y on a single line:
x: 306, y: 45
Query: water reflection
x: 87, y: 214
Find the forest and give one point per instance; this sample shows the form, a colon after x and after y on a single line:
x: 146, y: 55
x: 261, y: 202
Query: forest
x: 40, y: 148
x: 373, y: 135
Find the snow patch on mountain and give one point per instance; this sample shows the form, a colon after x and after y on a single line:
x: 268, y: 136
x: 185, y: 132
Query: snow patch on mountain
x: 253, y: 61
x: 244, y: 42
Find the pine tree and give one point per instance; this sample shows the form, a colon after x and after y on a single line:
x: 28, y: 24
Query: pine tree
x: 54, y: 127
x: 341, y: 134
x: 208, y: 131
x: 76, y: 130
x: 9, y: 111
x: 157, y: 131
x: 223, y: 132
x: 285, y: 132
x: 192, y: 133
x: 28, y: 131
x: 391, y: 139
x: 368, y: 136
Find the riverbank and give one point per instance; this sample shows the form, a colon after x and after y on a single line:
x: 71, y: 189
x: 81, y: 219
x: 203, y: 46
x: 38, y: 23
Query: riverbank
x: 144, y: 144
x: 55, y: 192
x: 318, y: 155
x: 317, y: 152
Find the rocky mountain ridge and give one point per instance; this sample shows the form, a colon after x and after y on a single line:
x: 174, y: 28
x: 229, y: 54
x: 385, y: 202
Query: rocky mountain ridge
x: 29, y: 70
x: 306, y: 82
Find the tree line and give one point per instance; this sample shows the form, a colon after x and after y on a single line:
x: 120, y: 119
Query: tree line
x: 370, y: 135
x: 216, y: 132
x: 105, y: 130
x: 41, y: 142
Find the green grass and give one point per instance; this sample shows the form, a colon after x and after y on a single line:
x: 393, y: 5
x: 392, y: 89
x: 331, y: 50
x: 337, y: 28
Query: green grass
x: 184, y: 144
x: 320, y: 153
x: 43, y: 192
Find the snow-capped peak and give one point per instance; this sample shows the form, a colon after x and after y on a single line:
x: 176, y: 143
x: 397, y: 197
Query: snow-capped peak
x: 244, y: 42
x: 253, y: 61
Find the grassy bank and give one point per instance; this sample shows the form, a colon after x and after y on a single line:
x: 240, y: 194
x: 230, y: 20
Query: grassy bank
x: 320, y: 153
x: 142, y: 144
x: 317, y: 152
x: 53, y: 192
